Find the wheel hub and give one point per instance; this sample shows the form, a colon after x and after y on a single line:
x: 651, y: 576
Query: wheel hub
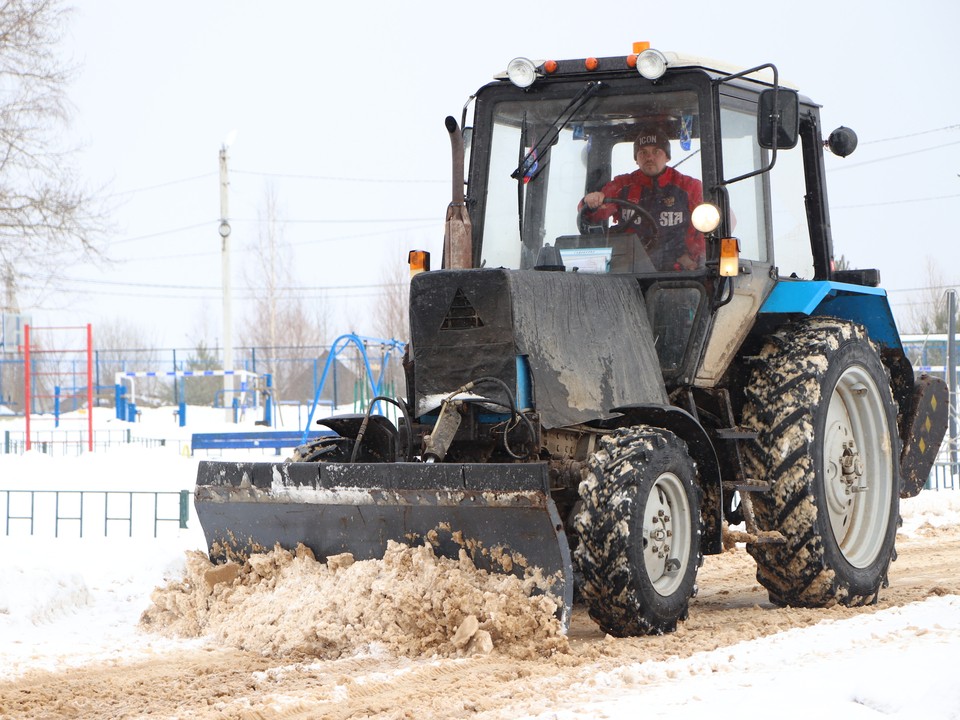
x: 857, y: 465
x: 664, y: 517
x: 851, y: 468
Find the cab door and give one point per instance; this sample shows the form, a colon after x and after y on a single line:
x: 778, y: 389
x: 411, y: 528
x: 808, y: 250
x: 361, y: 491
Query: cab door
x: 767, y: 215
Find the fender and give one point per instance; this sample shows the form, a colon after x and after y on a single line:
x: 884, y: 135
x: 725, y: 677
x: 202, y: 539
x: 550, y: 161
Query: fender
x: 922, y: 402
x: 685, y: 426
x: 862, y: 304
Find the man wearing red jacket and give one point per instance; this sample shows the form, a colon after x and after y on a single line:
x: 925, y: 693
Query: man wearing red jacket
x: 668, y: 195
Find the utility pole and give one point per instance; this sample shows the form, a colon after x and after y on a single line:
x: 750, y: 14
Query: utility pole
x: 224, y: 230
x: 952, y: 374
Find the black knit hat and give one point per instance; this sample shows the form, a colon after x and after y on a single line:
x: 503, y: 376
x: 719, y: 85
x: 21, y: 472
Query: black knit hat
x: 655, y: 135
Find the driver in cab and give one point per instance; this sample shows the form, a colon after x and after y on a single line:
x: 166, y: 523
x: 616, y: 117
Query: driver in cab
x: 668, y: 195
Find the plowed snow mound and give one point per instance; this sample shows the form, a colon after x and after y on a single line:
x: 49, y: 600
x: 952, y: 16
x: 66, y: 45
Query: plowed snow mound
x: 410, y: 603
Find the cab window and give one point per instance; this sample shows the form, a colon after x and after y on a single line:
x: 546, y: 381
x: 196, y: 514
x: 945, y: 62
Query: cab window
x: 767, y: 209
x: 741, y: 155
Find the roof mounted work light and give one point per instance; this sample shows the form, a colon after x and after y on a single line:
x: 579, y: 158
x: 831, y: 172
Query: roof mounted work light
x: 522, y: 72
x: 651, y: 63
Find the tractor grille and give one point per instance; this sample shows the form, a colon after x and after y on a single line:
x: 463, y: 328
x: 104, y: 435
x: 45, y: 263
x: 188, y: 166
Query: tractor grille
x: 461, y: 315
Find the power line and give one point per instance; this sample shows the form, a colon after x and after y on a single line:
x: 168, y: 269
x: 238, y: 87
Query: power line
x: 217, y: 288
x: 913, y: 303
x: 351, y: 221
x: 910, y: 135
x: 340, y: 178
x: 169, y: 183
x: 314, y: 294
x: 246, y: 249
x: 336, y: 178
x: 894, y: 202
x: 923, y: 289
x: 332, y: 178
x: 433, y: 223
x: 213, y: 223
x: 161, y: 233
x: 893, y: 157
x: 238, y: 296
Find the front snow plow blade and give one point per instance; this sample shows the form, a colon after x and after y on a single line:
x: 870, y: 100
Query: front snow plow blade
x: 502, y: 515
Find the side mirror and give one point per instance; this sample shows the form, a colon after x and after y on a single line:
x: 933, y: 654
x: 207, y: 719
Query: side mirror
x: 778, y: 119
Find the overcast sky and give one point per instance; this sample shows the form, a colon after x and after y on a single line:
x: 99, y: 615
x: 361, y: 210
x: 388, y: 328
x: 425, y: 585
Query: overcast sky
x: 340, y: 111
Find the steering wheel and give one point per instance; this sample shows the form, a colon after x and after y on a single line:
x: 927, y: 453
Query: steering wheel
x: 652, y: 235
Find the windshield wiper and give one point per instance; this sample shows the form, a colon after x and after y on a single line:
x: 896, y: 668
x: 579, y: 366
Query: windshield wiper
x: 534, y: 161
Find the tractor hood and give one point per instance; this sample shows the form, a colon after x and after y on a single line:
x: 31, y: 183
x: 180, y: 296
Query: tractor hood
x: 569, y: 327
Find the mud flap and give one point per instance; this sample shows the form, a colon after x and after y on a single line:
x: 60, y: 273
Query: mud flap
x: 501, y: 515
x: 927, y: 423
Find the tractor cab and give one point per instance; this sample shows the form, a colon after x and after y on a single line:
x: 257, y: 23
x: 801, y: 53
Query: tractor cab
x: 544, y: 136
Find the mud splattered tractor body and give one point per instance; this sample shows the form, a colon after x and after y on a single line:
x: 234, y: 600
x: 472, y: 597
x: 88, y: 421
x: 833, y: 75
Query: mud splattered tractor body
x: 580, y: 403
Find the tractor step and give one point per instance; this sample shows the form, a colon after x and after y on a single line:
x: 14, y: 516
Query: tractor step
x: 748, y: 486
x: 753, y: 534
x: 734, y: 433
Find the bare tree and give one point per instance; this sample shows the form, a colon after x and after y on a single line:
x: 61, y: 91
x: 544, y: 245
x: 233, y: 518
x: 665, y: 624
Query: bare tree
x: 285, y: 330
x: 930, y: 315
x: 122, y: 346
x: 47, y: 219
x: 202, y: 390
x: 391, y: 319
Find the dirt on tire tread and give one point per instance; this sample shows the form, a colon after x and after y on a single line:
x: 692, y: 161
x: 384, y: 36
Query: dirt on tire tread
x: 604, y: 532
x: 781, y: 399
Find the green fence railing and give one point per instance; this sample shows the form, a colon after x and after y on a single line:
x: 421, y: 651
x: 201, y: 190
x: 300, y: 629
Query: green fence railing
x: 74, y: 442
x: 46, y: 508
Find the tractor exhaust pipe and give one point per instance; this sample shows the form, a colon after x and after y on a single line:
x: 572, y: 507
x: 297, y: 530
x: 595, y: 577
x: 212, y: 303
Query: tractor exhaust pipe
x: 458, y: 232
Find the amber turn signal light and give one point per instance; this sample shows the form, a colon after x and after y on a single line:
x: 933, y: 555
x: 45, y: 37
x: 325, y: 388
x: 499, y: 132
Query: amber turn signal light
x: 419, y: 261
x: 729, y: 257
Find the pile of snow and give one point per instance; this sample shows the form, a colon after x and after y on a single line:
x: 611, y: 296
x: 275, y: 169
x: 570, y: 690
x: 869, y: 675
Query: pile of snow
x: 410, y: 603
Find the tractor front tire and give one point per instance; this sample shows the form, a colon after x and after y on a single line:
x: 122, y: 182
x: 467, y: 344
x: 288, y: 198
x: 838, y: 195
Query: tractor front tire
x: 819, y: 399
x: 639, y: 532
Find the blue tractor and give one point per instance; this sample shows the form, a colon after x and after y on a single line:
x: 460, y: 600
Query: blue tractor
x: 583, y: 405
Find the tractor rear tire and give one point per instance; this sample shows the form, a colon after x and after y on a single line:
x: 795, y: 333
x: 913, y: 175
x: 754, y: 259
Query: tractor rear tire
x: 639, y: 532
x: 819, y: 399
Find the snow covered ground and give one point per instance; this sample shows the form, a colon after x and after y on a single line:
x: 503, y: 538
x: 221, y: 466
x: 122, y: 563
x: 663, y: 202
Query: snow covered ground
x: 70, y: 601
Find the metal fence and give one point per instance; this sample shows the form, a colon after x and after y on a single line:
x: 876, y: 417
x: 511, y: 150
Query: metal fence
x: 297, y: 374
x: 61, y: 442
x: 80, y: 510
x: 944, y: 476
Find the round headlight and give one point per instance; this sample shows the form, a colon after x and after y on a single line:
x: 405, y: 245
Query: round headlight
x: 651, y: 64
x: 705, y: 217
x: 522, y: 72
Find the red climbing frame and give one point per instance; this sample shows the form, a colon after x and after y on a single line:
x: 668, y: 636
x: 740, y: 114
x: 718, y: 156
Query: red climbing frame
x: 28, y: 373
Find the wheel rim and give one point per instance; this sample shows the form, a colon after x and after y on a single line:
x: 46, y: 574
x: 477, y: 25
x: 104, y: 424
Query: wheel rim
x: 666, y: 533
x: 858, y: 466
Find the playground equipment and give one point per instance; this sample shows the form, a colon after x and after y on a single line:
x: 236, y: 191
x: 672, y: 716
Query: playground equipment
x: 127, y: 405
x: 376, y: 382
x: 62, y: 357
x: 258, y: 388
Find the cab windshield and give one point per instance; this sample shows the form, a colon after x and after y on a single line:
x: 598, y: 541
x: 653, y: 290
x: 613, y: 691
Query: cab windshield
x: 546, y: 154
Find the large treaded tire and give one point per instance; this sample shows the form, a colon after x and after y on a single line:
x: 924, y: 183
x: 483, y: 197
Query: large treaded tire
x: 818, y: 386
x: 639, y: 532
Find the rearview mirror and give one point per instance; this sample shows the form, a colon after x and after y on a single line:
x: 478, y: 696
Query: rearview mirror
x: 778, y: 119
